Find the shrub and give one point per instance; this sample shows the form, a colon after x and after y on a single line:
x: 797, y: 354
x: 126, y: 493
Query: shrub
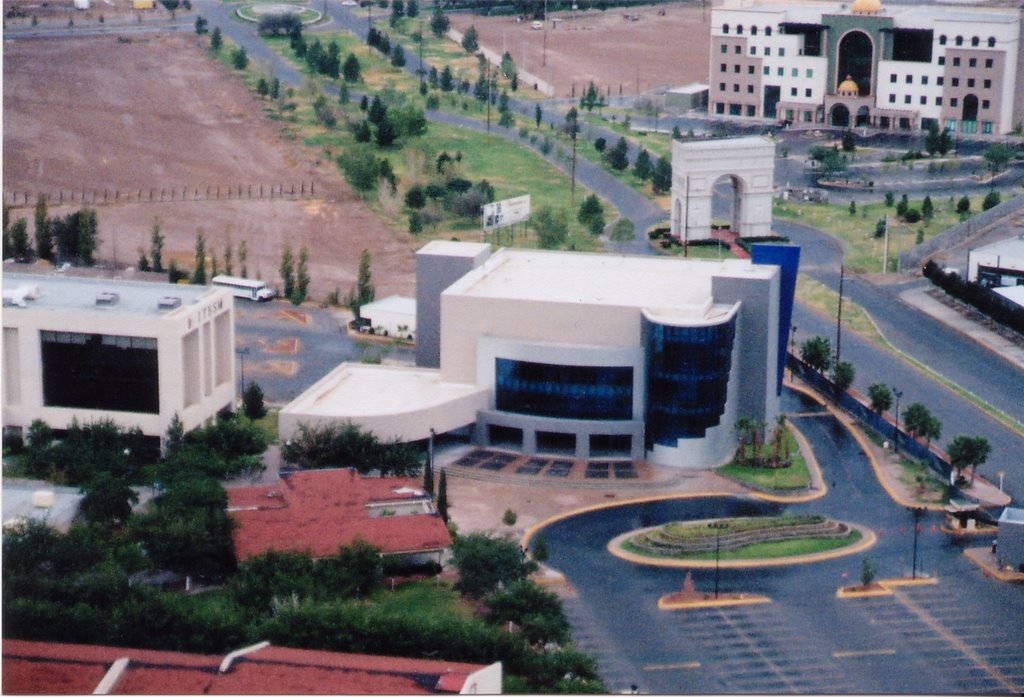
x: 912, y: 215
x: 992, y: 199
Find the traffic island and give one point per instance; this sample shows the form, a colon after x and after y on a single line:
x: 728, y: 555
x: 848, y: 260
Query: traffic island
x: 691, y: 599
x: 882, y: 588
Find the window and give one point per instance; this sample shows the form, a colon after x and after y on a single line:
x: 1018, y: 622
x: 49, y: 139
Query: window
x: 892, y: 98
x: 722, y: 68
x: 970, y: 82
x: 955, y: 82
x: 988, y: 63
x: 750, y: 89
x: 924, y: 100
x: 719, y: 106
x: 942, y: 39
x: 792, y: 91
x: 753, y: 50
x: 972, y: 62
x: 987, y: 84
x: 737, y: 49
x: 789, y: 114
x: 892, y: 77
x: 910, y: 79
x: 959, y: 41
x: 736, y: 68
x: 991, y: 42
x: 721, y: 86
x: 735, y: 87
x: 951, y: 125
x: 968, y: 126
x: 768, y: 31
x: 975, y: 41
x: 563, y: 391
x: 751, y: 111
x: 734, y: 110
x: 985, y: 104
x: 725, y: 49
x: 942, y: 60
x: 766, y: 70
x: 938, y: 101
x: 795, y: 72
x: 808, y: 92
x: 906, y: 99
x: 956, y: 62
x: 753, y: 31
x: 953, y: 101
x: 986, y: 127
x: 739, y: 28
x: 809, y: 72
x: 782, y: 52
x: 808, y: 116
x: 939, y: 80
x: 767, y: 50
x: 780, y: 72
x: 750, y: 70
x: 725, y: 28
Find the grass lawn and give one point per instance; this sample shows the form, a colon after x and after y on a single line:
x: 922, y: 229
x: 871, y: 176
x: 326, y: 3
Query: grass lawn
x: 796, y: 476
x: 826, y: 301
x: 763, y: 550
x: 863, y: 251
x: 268, y: 424
x: 922, y: 482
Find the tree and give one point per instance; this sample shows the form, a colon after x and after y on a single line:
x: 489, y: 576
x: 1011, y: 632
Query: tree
x: 174, y: 438
x: 20, y: 245
x: 963, y: 205
x: 351, y: 70
x: 262, y: 87
x: 890, y: 199
x: 997, y: 155
x: 992, y: 199
x: 412, y: 9
x: 377, y: 111
x: 867, y: 572
x: 252, y: 401
x: 849, y: 142
x: 816, y: 352
x: 902, y: 206
x: 471, y: 40
x: 301, y: 278
x: 919, y: 422
x: 483, y: 561
x: 275, y: 88
x: 540, y: 549
x: 364, y: 291
x: 199, y: 275
x: 229, y: 260
x: 843, y: 374
x: 537, y: 612
x: 447, y: 81
x: 44, y: 231
x: 643, y: 168
x: 442, y: 496
x: 881, y: 398
x: 239, y: 59
x: 397, y: 56
x: 428, y: 477
x: 8, y: 249
x: 927, y: 208
x: 243, y: 258
x: 509, y: 517
x: 215, y: 40
x: 438, y: 21
x: 538, y: 114
x: 853, y: 207
x: 385, y: 134
x: 618, y: 156
x: 552, y: 226
x: 361, y: 167
x: 346, y: 445
x: 591, y: 214
x: 661, y: 180
x: 287, y: 270
x: 201, y: 24
x: 108, y: 499
x: 600, y: 144
x: 965, y: 451
x: 397, y: 12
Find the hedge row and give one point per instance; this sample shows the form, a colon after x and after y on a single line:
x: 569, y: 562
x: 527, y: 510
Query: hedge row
x: 991, y: 304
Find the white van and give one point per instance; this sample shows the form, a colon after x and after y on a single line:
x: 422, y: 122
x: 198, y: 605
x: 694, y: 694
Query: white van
x: 248, y: 288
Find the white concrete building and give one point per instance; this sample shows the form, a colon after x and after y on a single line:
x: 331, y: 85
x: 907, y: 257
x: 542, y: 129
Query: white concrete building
x: 391, y: 316
x: 136, y: 353
x: 998, y: 264
x: 862, y: 64
x: 586, y: 354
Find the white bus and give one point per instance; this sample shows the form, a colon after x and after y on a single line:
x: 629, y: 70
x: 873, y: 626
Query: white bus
x: 248, y: 288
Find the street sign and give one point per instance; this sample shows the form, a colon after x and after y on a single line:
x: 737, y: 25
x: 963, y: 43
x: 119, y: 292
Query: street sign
x: 506, y: 212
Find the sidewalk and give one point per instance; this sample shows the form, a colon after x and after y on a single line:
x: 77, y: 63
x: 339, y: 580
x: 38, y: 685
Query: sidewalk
x: 919, y: 298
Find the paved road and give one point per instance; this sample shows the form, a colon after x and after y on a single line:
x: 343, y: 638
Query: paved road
x: 960, y: 637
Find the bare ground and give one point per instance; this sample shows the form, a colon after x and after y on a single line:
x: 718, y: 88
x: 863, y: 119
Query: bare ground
x: 159, y: 112
x: 622, y: 57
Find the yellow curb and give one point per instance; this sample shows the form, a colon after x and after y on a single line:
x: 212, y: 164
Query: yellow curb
x: 968, y: 533
x: 665, y: 604
x: 886, y: 587
x: 993, y: 571
x: 865, y: 446
x: 867, y: 541
x: 812, y: 463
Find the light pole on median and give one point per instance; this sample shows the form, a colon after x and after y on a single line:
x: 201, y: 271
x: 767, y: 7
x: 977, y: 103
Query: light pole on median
x: 718, y: 526
x: 242, y: 353
x: 918, y: 514
x: 896, y: 424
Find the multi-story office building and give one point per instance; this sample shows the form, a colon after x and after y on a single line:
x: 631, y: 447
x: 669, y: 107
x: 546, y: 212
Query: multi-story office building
x: 135, y: 353
x: 895, y: 67
x: 588, y: 354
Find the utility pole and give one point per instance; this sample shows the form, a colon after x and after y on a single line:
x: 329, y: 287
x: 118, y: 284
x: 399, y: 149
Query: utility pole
x: 885, y: 252
x: 487, y: 76
x: 839, y: 314
x: 918, y: 513
x: 896, y: 426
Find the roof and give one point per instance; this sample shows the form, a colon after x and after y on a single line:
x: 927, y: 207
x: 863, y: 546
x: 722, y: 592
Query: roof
x: 1014, y: 294
x: 455, y: 249
x: 393, y: 303
x: 73, y: 293
x: 321, y: 510
x: 20, y: 499
x: 680, y: 286
x: 52, y: 668
x: 692, y: 88
x: 1013, y: 247
x: 1012, y: 515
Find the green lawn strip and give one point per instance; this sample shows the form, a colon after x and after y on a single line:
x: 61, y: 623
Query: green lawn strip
x: 794, y: 477
x: 922, y: 482
x: 863, y: 251
x: 702, y: 530
x: 268, y: 424
x: 762, y: 550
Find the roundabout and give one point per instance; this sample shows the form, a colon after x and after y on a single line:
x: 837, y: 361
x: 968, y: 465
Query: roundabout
x: 257, y: 11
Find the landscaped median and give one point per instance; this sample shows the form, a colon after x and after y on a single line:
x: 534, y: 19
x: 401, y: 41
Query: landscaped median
x: 884, y: 587
x: 742, y: 542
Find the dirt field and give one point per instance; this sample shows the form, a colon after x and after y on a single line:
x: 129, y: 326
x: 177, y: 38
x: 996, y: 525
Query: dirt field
x: 159, y: 113
x: 621, y: 56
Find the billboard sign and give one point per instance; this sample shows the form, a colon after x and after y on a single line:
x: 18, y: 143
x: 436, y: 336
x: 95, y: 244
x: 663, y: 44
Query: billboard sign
x: 506, y: 212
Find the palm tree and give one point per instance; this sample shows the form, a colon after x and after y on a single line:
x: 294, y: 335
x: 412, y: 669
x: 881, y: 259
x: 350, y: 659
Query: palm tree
x: 780, y: 445
x: 743, y: 426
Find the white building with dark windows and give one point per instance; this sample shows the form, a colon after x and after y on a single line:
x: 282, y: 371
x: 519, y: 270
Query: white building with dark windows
x: 862, y: 64
x: 587, y: 354
x: 135, y: 353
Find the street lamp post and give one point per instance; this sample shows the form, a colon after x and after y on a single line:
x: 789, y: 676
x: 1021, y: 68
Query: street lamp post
x: 718, y: 526
x: 918, y: 514
x: 242, y: 353
x: 896, y: 425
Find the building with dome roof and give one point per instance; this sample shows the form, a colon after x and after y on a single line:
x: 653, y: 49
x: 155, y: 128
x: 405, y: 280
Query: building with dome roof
x: 901, y: 67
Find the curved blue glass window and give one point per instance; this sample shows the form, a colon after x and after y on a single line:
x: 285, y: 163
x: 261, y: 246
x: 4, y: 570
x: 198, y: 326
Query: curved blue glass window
x: 601, y: 393
x: 687, y: 379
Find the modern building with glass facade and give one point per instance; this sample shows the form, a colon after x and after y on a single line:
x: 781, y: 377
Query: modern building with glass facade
x: 135, y: 353
x: 587, y: 355
x: 862, y: 64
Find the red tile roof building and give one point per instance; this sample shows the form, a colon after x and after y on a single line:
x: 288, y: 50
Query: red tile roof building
x: 319, y: 511
x: 31, y: 667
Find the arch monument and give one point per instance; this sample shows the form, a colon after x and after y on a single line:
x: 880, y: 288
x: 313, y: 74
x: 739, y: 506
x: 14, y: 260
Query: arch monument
x: 748, y: 162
